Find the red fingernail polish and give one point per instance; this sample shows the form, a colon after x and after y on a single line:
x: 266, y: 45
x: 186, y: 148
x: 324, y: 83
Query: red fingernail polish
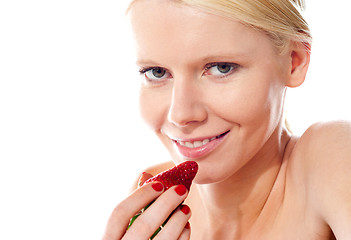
x: 185, y: 209
x: 180, y: 190
x: 158, y: 187
x: 187, y: 225
x: 141, y: 176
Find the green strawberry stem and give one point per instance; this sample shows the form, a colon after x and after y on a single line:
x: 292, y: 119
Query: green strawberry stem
x: 155, y: 233
x: 137, y: 215
x: 133, y: 219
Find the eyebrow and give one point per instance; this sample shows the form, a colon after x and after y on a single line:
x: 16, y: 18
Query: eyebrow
x: 204, y: 59
x: 146, y: 62
x: 238, y: 53
x: 220, y: 57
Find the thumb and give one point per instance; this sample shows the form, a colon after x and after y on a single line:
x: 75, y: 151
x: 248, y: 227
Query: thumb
x: 144, y: 176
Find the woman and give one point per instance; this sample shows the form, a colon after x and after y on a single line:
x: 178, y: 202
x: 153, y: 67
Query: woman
x: 215, y: 75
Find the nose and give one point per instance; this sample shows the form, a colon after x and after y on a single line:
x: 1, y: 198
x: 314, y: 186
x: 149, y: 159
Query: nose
x: 187, y: 106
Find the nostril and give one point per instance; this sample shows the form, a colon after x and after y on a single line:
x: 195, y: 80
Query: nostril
x: 183, y: 119
x: 183, y: 113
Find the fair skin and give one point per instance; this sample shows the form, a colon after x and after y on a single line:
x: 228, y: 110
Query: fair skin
x: 206, y: 76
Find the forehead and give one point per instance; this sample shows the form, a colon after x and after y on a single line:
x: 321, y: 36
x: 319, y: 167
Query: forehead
x: 169, y: 31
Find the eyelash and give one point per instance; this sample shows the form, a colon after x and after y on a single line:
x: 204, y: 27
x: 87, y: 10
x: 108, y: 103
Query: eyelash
x: 233, y: 66
x: 144, y: 70
x: 207, y: 67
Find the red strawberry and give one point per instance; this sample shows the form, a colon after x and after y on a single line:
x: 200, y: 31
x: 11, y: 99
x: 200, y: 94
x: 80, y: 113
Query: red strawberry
x: 183, y: 173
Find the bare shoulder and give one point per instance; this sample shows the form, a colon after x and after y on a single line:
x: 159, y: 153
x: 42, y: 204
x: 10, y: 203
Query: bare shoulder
x: 322, y: 157
x: 333, y: 133
x: 326, y: 145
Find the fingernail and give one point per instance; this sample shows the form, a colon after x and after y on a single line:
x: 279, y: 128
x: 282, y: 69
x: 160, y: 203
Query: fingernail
x: 158, y: 187
x: 141, y: 176
x: 187, y: 225
x: 185, y: 209
x: 180, y: 190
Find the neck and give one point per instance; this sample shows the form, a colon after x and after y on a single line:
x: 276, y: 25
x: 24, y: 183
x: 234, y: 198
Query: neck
x: 239, y: 201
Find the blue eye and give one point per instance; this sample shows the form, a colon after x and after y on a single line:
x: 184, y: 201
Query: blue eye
x: 155, y: 73
x: 223, y: 68
x: 220, y: 69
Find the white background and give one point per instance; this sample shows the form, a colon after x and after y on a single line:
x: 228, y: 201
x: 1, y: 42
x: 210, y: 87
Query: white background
x: 71, y: 140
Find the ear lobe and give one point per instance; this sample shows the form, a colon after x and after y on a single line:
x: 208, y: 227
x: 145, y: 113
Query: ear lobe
x: 299, y: 61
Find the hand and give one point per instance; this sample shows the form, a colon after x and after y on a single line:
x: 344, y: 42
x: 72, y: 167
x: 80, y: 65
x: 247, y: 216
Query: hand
x: 149, y: 221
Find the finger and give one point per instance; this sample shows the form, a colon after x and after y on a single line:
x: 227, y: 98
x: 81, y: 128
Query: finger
x: 124, y: 211
x: 157, y: 213
x: 175, y: 225
x: 185, y: 233
x: 144, y: 176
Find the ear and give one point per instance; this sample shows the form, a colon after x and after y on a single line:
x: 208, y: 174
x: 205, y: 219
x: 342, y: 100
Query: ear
x: 299, y: 61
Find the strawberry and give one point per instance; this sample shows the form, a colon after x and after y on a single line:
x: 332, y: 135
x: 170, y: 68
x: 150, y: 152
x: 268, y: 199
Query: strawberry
x: 183, y: 173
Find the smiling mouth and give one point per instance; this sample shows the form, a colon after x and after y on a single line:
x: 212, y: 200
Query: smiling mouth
x: 199, y: 148
x: 196, y: 144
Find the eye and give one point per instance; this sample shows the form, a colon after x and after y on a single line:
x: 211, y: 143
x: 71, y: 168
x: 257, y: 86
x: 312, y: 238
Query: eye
x: 220, y: 69
x: 155, y: 73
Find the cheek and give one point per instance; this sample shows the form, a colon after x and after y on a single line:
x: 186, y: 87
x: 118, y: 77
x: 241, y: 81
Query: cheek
x: 152, y: 108
x: 248, y: 104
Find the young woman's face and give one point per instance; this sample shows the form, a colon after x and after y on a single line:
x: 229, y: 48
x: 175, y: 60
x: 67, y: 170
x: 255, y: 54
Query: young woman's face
x: 213, y: 89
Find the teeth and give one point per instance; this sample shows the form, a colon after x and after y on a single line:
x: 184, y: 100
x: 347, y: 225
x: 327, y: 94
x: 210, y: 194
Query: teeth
x: 196, y: 143
x: 189, y: 145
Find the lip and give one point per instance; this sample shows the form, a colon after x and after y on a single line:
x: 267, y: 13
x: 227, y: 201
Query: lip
x: 198, y: 152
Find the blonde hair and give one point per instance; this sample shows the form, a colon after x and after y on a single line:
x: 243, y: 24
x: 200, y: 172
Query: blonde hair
x: 281, y: 20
